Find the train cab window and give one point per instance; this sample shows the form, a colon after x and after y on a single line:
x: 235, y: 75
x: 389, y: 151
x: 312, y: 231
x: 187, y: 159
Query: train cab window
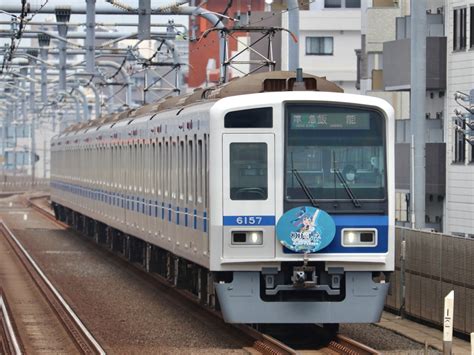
x: 248, y: 171
x: 253, y: 118
x: 331, y: 150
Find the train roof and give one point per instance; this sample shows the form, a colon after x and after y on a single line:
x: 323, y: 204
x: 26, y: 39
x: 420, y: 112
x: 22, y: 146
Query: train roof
x: 250, y: 84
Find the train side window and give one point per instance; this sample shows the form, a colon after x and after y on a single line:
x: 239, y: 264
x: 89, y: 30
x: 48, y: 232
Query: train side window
x: 135, y: 167
x: 173, y: 177
x: 206, y: 172
x: 248, y: 171
x: 181, y: 171
x: 195, y: 169
x: 199, y: 172
x: 166, y: 170
x: 152, y: 175
x: 160, y: 169
x: 253, y: 118
x: 142, y: 168
x: 191, y: 172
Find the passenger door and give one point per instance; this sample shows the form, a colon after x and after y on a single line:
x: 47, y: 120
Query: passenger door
x: 248, y: 196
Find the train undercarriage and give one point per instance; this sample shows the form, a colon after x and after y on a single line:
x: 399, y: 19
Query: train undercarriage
x: 245, y: 297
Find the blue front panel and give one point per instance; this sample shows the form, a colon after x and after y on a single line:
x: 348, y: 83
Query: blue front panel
x: 357, y: 221
x: 354, y: 221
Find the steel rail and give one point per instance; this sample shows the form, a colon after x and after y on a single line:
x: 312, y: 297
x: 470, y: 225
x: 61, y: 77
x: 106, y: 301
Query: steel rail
x: 263, y: 343
x: 73, y: 325
x: 11, y: 342
x: 348, y: 346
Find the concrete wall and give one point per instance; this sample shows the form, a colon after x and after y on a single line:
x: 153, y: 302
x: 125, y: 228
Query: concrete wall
x: 381, y: 27
x: 460, y: 176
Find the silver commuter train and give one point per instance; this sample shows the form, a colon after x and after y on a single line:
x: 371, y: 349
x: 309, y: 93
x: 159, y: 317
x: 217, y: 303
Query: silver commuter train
x: 207, y: 179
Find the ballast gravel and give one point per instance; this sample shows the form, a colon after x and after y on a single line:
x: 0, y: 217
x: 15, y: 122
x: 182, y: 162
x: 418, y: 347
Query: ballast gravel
x: 384, y: 340
x: 126, y: 313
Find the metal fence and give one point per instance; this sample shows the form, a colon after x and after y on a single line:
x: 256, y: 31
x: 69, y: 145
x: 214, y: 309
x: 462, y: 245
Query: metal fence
x: 19, y: 183
x: 434, y: 264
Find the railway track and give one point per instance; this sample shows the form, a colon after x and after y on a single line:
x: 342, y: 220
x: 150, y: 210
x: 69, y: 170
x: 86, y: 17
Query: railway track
x: 78, y: 333
x: 9, y: 341
x: 263, y: 343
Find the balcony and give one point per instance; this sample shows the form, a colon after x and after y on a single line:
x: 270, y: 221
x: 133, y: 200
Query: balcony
x: 385, y: 3
x: 396, y: 64
x: 435, y: 168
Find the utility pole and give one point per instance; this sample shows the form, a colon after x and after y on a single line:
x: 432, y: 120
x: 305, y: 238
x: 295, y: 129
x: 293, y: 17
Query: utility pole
x: 417, y: 109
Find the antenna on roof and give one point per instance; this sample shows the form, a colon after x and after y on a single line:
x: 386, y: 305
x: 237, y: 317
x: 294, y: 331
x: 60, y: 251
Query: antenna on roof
x: 299, y: 75
x: 299, y: 84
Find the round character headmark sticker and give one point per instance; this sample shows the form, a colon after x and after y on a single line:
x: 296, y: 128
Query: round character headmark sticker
x: 305, y: 229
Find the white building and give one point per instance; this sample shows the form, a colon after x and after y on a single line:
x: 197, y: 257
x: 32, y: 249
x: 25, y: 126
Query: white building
x: 459, y: 19
x: 329, y: 36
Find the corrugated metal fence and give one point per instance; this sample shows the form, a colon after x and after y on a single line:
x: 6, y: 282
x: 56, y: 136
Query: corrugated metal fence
x: 434, y: 265
x: 19, y: 183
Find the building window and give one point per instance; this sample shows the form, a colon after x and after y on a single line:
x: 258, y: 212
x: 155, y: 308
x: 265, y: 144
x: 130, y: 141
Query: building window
x: 332, y: 3
x: 459, y: 29
x: 353, y: 4
x: 472, y: 152
x: 319, y: 45
x: 337, y: 4
x: 459, y: 143
x: 472, y: 27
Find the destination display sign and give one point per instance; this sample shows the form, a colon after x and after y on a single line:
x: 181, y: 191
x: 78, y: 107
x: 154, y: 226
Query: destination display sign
x: 330, y: 120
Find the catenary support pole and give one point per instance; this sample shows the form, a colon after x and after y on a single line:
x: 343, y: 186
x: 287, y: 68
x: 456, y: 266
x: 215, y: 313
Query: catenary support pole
x: 44, y: 76
x: 90, y: 36
x: 33, y: 122
x: 24, y: 108
x: 294, y: 28
x: 417, y: 106
x: 62, y: 30
x: 85, y: 105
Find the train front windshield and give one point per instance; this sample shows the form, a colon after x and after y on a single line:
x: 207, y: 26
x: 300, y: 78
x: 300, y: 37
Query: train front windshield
x: 333, y: 152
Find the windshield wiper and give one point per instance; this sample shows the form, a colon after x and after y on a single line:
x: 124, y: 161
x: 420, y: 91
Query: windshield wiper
x: 305, y: 188
x: 346, y: 186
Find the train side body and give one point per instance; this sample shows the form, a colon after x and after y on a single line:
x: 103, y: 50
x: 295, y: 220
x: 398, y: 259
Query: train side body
x: 196, y: 182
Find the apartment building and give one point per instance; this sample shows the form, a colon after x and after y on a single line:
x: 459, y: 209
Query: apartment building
x: 330, y: 32
x: 459, y: 17
x: 384, y: 64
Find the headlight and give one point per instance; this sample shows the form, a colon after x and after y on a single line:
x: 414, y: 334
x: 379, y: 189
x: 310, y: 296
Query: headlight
x: 359, y: 237
x: 247, y: 237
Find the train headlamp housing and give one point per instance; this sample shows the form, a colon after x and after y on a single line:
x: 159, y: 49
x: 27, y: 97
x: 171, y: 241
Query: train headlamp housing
x: 359, y: 237
x: 247, y: 238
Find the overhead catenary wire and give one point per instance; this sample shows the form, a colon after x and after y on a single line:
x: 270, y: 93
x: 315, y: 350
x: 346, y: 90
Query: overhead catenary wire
x: 23, y: 21
x: 273, y: 14
x: 8, y: 56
